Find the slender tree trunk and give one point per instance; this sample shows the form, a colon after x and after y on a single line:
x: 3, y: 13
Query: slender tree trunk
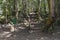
x: 6, y: 14
x: 17, y: 4
x: 39, y: 11
x: 51, y: 9
x: 16, y: 8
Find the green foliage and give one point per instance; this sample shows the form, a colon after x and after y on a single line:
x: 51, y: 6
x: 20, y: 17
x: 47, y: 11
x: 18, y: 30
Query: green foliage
x: 23, y: 7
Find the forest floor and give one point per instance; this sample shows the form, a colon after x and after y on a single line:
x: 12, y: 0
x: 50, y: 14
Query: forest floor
x: 33, y: 35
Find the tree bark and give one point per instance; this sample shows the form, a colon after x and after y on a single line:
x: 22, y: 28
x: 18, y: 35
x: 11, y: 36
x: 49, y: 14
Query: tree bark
x: 16, y: 8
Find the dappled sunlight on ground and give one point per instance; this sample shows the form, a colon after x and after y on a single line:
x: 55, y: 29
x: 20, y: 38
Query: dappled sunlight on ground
x: 5, y: 34
x: 20, y: 33
x: 33, y: 35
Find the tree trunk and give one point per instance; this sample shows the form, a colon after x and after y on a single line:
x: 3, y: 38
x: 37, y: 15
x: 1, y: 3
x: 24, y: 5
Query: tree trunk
x: 51, y: 10
x: 51, y: 17
x: 16, y: 8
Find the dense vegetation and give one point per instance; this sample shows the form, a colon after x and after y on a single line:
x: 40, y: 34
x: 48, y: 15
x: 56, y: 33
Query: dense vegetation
x: 17, y: 11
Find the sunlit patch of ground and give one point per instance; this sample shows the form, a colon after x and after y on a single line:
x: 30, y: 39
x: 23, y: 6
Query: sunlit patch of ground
x: 33, y: 35
x: 5, y: 34
x: 21, y: 33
